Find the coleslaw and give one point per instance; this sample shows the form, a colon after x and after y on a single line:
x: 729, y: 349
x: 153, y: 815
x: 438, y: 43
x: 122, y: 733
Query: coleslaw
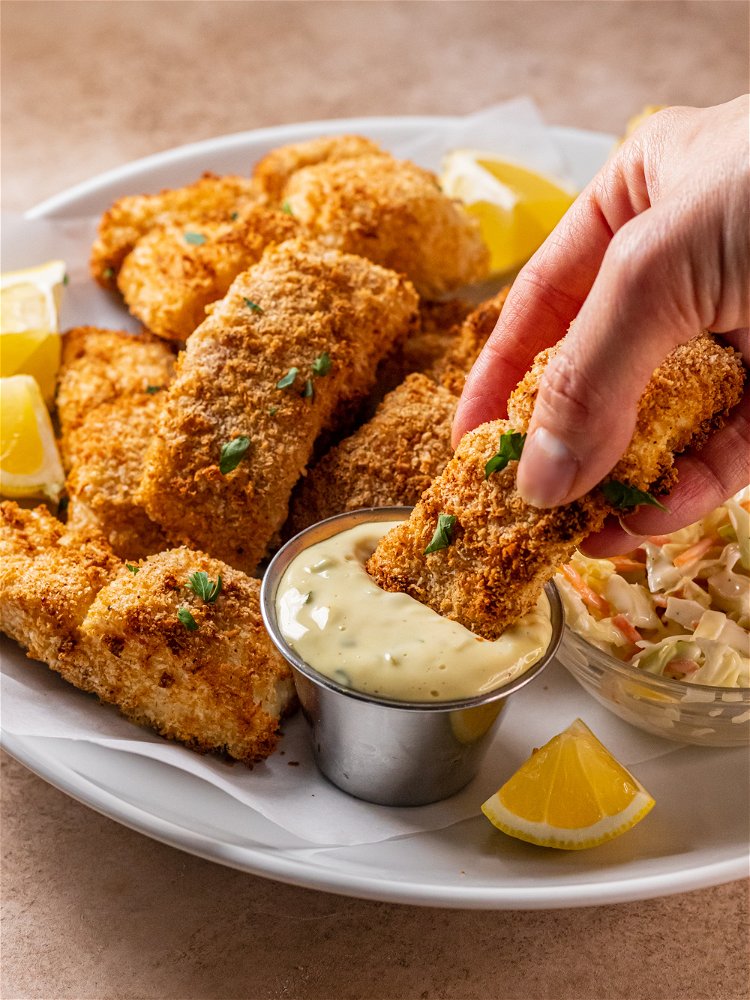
x: 678, y: 606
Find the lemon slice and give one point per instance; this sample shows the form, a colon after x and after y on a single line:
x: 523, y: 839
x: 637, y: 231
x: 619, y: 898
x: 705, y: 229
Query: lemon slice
x: 516, y: 208
x: 29, y: 333
x: 29, y: 460
x: 570, y: 794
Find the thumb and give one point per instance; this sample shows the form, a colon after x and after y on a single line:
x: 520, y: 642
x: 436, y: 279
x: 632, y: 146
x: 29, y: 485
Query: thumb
x: 642, y: 304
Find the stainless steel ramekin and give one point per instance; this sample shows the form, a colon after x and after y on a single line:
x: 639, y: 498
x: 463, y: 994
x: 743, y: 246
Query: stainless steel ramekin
x: 395, y: 753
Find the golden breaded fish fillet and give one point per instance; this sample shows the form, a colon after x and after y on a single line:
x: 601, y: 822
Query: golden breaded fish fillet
x: 452, y: 368
x: 173, y: 274
x: 389, y: 461
x: 395, y: 214
x: 502, y: 550
x: 270, y: 175
x: 131, y: 217
x: 296, y: 339
x: 110, y: 391
x: 215, y: 683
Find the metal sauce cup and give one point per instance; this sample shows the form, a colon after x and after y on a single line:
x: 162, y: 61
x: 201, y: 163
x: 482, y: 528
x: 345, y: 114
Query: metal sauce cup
x: 394, y: 753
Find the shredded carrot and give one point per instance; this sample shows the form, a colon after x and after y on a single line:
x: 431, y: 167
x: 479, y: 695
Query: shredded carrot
x: 626, y: 564
x: 629, y: 631
x: 590, y: 597
x: 745, y: 504
x: 694, y: 552
x: 659, y: 539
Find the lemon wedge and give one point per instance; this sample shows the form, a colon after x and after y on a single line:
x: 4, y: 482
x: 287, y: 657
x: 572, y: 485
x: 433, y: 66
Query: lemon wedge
x: 29, y: 460
x: 29, y: 331
x: 516, y: 208
x: 570, y: 794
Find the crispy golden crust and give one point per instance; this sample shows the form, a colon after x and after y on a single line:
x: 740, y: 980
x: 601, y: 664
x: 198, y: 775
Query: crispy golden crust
x: 453, y: 367
x: 116, y: 634
x: 167, y: 282
x: 503, y: 550
x: 129, y: 218
x: 388, y: 461
x: 312, y: 301
x: 272, y: 173
x: 393, y: 213
x: 107, y: 417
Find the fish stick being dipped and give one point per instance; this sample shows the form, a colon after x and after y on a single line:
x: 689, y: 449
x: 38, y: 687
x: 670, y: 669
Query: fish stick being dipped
x: 109, y: 394
x: 172, y: 273
x: 496, y: 551
x: 295, y: 341
x: 202, y: 671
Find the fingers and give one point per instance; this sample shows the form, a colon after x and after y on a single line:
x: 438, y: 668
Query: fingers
x: 640, y: 307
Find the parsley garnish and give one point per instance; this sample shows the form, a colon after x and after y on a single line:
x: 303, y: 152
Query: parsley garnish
x: 322, y: 364
x: 308, y: 392
x: 622, y: 496
x: 187, y: 619
x: 288, y: 379
x: 153, y: 389
x: 66, y: 279
x: 252, y: 305
x: 272, y: 411
x: 204, y: 587
x: 197, y: 239
x: 442, y: 537
x: 511, y: 446
x: 108, y: 273
x: 286, y: 207
x: 232, y: 454
x: 133, y: 569
x: 234, y: 216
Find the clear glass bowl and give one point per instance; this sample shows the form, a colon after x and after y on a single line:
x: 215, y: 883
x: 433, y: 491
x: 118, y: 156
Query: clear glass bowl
x: 685, y: 713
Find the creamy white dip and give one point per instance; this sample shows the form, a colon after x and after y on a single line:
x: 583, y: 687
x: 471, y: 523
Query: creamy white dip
x: 342, y: 624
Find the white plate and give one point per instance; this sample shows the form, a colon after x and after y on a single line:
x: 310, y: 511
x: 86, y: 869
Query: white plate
x: 678, y: 848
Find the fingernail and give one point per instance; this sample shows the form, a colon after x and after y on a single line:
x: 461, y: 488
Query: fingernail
x: 547, y: 471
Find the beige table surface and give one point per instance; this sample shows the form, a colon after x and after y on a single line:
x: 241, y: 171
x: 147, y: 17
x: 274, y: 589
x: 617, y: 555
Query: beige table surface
x: 92, y: 910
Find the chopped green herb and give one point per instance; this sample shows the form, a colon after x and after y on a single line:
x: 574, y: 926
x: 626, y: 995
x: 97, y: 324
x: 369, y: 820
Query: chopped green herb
x: 623, y: 497
x: 322, y: 364
x: 108, y: 273
x: 232, y: 454
x: 309, y: 391
x: 234, y: 216
x: 511, y: 446
x: 252, y: 305
x: 443, y: 533
x: 288, y: 379
x: 133, y: 569
x: 187, y: 619
x: 202, y: 585
x: 153, y: 389
x: 286, y: 207
x: 272, y: 411
x: 197, y: 239
x: 66, y: 279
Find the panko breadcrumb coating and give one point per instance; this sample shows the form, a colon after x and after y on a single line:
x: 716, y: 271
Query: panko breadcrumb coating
x: 110, y: 391
x: 395, y: 214
x: 502, y: 550
x: 455, y: 364
x: 167, y: 282
x: 129, y: 218
x: 312, y: 308
x: 116, y: 633
x: 389, y: 461
x: 271, y: 174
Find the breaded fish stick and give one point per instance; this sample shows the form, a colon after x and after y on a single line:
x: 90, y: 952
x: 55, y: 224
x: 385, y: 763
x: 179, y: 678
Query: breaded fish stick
x: 131, y: 217
x: 395, y: 214
x: 110, y: 391
x: 175, y: 271
x: 215, y: 683
x: 456, y: 362
x: 296, y: 339
x: 389, y: 461
x: 500, y: 551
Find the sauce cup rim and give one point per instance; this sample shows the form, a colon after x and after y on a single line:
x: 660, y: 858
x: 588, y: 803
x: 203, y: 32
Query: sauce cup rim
x: 325, y: 529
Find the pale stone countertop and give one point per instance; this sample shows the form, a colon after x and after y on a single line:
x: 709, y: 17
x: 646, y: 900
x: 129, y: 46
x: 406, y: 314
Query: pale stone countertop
x: 93, y: 911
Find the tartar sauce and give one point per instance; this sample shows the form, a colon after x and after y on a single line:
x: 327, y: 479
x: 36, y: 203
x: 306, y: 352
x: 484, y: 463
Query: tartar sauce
x: 342, y: 624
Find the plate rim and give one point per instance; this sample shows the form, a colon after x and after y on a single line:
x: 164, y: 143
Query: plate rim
x: 281, y: 866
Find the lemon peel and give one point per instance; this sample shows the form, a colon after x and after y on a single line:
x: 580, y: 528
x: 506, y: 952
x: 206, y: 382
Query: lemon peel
x: 29, y: 460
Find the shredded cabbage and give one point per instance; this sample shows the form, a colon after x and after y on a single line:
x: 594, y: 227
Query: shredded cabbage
x: 687, y: 595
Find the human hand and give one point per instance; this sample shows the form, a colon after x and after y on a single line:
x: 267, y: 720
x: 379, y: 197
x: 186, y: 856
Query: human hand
x: 655, y: 249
